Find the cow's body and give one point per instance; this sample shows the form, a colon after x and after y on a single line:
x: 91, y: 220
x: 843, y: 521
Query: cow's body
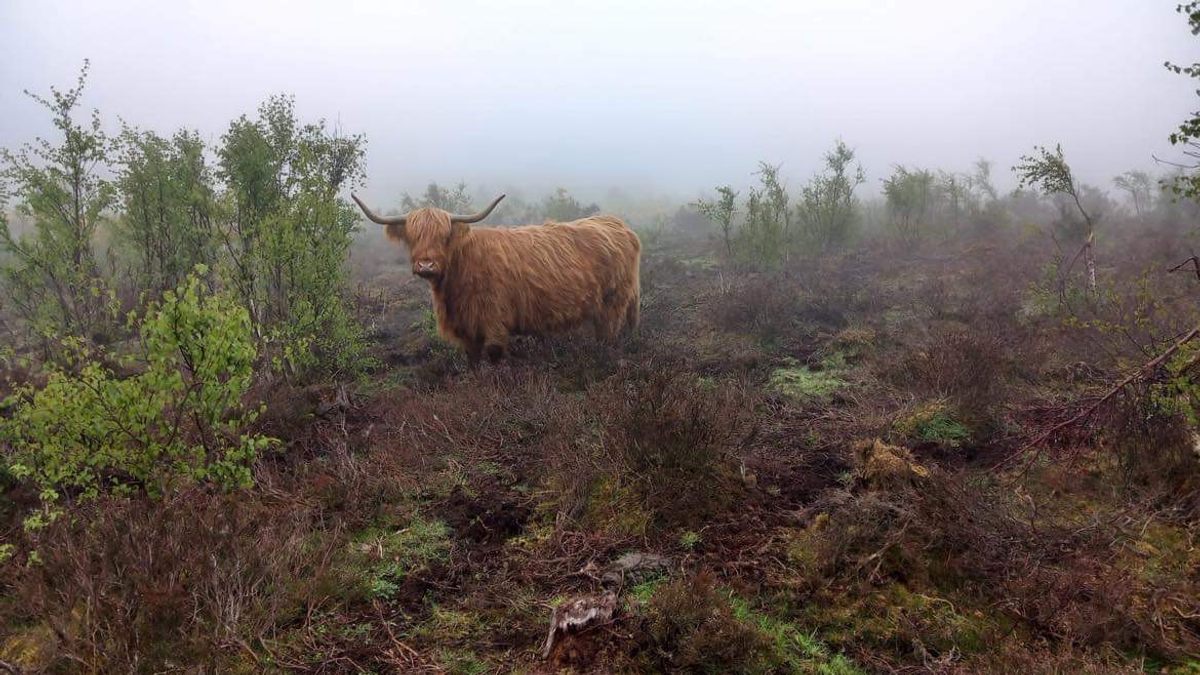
x: 491, y: 283
x: 538, y: 280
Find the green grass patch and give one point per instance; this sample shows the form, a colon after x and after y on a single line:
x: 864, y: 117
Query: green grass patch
x: 803, y: 384
x: 936, y: 423
x: 801, y: 652
x: 383, y: 558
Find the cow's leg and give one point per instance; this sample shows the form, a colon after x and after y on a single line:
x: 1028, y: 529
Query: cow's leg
x: 606, y: 327
x: 474, y: 353
x: 495, y: 353
x: 496, y: 346
x: 632, y: 315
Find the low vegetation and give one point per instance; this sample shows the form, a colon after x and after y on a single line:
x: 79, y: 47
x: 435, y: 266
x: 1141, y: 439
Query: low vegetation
x: 901, y: 436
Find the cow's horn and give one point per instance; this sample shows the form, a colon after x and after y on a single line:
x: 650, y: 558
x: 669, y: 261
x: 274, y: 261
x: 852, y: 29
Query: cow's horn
x: 478, y: 216
x: 392, y: 220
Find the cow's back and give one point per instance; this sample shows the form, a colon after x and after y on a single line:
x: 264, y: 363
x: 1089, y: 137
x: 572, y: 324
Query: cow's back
x: 555, y: 276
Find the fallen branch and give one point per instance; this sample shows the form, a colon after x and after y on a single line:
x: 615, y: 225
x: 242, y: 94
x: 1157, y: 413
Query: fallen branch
x: 1145, y: 371
x: 1195, y: 261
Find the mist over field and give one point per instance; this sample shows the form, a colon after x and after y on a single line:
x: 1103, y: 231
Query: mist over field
x: 806, y: 337
x: 664, y: 97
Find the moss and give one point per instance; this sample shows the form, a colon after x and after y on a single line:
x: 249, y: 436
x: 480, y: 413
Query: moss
x: 898, y: 617
x: 382, y: 559
x: 1162, y: 554
x: 704, y: 262
x: 461, y: 662
x: 855, y: 342
x: 934, y: 422
x: 805, y: 385
x: 616, y: 509
x: 887, y: 466
x: 643, y: 593
x: 33, y: 648
x: 701, y: 627
x: 690, y: 539
x: 453, y: 625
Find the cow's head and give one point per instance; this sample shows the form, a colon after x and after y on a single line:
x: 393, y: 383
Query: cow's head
x: 428, y: 233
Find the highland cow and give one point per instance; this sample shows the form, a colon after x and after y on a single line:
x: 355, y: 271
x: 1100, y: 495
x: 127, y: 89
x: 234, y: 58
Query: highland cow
x: 491, y: 283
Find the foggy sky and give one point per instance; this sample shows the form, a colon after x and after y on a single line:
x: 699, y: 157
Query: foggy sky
x: 665, y: 96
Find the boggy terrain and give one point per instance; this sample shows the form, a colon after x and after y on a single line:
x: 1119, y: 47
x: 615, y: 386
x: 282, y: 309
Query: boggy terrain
x: 825, y: 468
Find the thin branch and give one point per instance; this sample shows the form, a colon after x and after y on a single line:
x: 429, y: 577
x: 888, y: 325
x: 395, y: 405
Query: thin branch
x: 1141, y: 373
x: 1195, y: 261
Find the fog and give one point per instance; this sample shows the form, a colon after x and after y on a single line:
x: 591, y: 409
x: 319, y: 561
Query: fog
x: 665, y: 97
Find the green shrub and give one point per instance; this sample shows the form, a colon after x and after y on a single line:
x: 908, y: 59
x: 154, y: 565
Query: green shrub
x: 179, y: 418
x: 287, y: 234
x: 168, y: 202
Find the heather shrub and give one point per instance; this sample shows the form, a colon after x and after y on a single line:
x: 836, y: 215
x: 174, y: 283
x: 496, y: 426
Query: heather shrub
x: 671, y: 440
x: 693, y: 628
x: 194, y: 578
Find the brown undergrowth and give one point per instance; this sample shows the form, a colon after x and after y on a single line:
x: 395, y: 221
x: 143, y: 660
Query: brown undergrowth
x: 814, y: 450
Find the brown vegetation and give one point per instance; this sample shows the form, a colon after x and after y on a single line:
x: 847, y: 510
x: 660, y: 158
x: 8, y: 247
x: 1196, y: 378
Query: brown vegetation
x: 820, y: 452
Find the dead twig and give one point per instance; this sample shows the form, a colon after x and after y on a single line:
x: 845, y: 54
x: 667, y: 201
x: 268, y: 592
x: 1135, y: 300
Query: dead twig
x: 1145, y: 371
x: 1195, y: 262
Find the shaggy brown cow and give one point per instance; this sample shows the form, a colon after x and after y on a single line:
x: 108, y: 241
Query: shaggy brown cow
x: 490, y: 283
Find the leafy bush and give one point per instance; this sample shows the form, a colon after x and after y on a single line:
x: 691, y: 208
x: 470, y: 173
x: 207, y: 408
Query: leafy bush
x: 168, y: 207
x: 51, y: 274
x: 562, y: 206
x: 765, y: 235
x: 721, y: 212
x: 288, y: 233
x: 179, y: 418
x: 909, y: 199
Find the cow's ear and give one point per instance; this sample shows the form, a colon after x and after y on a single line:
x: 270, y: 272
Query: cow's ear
x: 458, y: 229
x: 395, y: 233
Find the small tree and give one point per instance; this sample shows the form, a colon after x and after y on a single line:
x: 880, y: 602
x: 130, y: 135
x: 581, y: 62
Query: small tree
x: 562, y: 206
x: 909, y: 197
x: 168, y: 206
x: 1049, y: 172
x: 828, y: 211
x: 1139, y: 186
x: 51, y: 273
x: 775, y: 205
x: 981, y: 179
x: 721, y: 212
x: 953, y: 194
x: 1187, y: 183
x: 454, y: 200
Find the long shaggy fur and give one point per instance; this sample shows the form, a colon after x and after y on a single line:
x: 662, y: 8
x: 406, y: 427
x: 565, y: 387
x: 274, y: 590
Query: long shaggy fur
x: 534, y: 279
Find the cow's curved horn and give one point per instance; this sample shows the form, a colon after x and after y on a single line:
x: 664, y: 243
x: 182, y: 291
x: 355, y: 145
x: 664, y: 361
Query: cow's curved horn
x: 390, y: 220
x: 478, y: 216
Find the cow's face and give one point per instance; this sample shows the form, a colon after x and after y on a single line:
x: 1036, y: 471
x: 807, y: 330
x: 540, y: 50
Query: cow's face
x: 429, y: 234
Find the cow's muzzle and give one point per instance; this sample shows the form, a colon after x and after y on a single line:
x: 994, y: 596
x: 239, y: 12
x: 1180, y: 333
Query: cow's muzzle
x: 426, y: 269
